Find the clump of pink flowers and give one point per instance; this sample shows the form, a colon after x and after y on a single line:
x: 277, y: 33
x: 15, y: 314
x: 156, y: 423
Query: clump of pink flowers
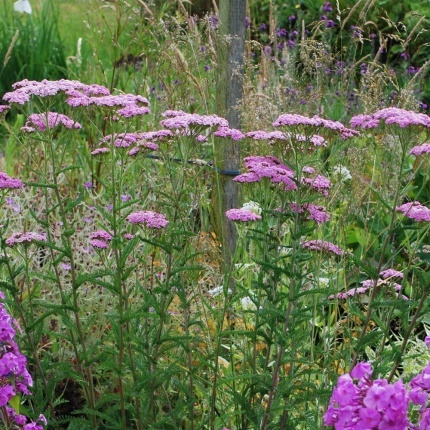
x: 242, y: 215
x: 359, y: 402
x: 14, y: 376
x: 415, y: 211
x: 322, y: 245
x: 392, y: 115
x: 100, y: 239
x: 25, y: 238
x: 43, y: 121
x: 148, y: 218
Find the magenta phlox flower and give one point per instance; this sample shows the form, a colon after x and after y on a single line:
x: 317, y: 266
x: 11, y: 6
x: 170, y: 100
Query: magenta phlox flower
x: 9, y: 183
x: 187, y: 120
x: 369, y: 418
x: 392, y: 115
x: 322, y: 245
x: 23, y: 90
x: 148, y: 218
x: 415, y: 210
x: 42, y: 121
x: 361, y: 370
x: 242, y: 215
x: 6, y: 393
x: 25, y: 238
x: 315, y: 121
x: 345, y: 391
x: 420, y: 149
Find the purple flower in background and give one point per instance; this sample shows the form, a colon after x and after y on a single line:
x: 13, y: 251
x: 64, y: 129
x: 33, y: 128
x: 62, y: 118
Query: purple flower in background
x: 242, y: 215
x: 292, y: 17
x: 263, y: 26
x: 281, y: 32
x: 4, y: 108
x: 148, y: 218
x: 329, y: 23
x: 88, y: 185
x: 247, y: 21
x: 327, y: 7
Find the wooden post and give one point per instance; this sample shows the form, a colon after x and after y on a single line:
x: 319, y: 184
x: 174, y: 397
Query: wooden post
x: 231, y: 51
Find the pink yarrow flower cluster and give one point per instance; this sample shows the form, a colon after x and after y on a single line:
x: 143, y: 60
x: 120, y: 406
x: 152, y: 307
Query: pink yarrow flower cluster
x: 25, y: 238
x: 386, y: 277
x: 182, y: 120
x: 270, y: 167
x: 359, y: 403
x: 242, y: 215
x: 128, y: 105
x: 322, y: 245
x: 392, y: 115
x: 290, y: 120
x: 272, y: 136
x: 100, y: 239
x: 420, y: 149
x: 14, y: 377
x: 148, y: 218
x: 318, y: 183
x: 42, y: 121
x: 315, y: 212
x: 143, y: 141
x: 23, y: 90
x: 9, y: 183
x: 415, y: 210
x: 229, y: 132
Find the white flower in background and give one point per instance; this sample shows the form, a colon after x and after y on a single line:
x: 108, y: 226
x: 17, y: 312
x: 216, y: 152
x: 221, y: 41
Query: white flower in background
x: 22, y: 6
x: 324, y: 282
x: 217, y: 291
x: 248, y: 304
x: 342, y: 173
x: 253, y: 207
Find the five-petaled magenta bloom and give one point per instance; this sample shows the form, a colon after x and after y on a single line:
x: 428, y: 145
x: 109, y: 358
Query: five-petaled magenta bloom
x: 322, y: 245
x: 358, y: 402
x: 9, y: 183
x: 14, y: 377
x: 415, y: 210
x: 243, y: 215
x: 42, y: 121
x: 148, y: 218
x: 25, y: 238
